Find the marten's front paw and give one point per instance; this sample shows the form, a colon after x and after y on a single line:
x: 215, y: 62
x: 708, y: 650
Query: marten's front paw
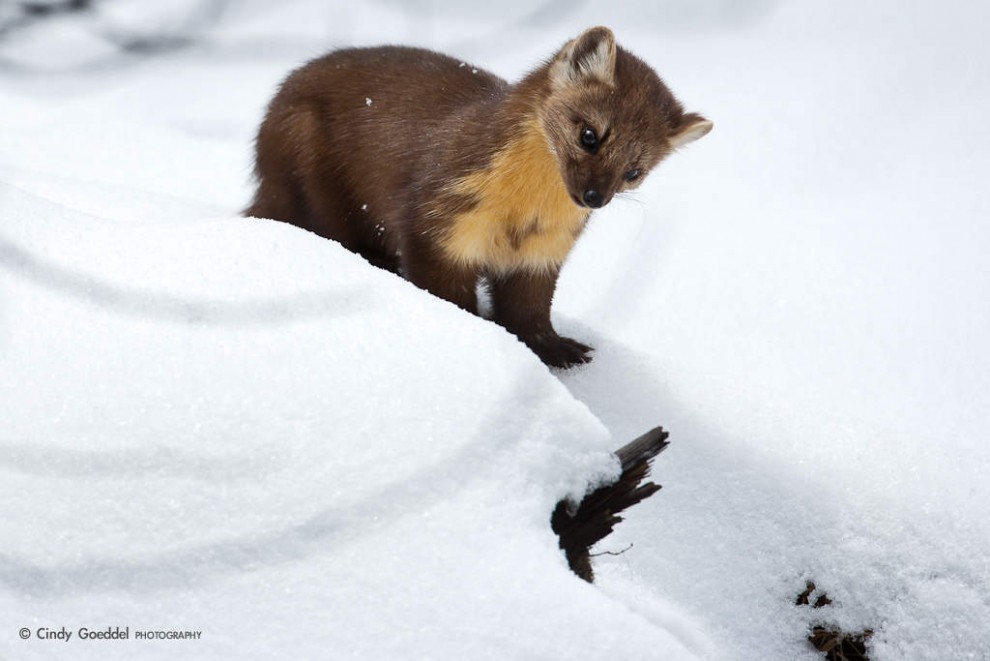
x: 557, y: 351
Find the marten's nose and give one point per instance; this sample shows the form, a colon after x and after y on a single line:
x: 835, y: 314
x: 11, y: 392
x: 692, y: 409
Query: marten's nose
x: 593, y: 199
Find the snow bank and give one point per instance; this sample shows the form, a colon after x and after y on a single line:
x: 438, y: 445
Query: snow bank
x: 236, y: 427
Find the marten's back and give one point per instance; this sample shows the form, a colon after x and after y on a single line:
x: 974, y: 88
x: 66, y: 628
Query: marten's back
x: 370, y: 116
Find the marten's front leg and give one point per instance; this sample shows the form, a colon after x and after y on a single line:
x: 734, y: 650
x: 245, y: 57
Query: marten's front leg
x: 521, y: 302
x: 424, y: 266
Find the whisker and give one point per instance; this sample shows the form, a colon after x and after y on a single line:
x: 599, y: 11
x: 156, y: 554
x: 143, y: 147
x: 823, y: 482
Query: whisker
x: 631, y: 197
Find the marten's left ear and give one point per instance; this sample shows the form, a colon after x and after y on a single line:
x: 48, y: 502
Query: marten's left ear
x: 691, y: 128
x: 591, y: 55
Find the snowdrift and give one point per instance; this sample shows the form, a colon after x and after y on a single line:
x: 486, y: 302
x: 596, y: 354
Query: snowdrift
x: 241, y: 428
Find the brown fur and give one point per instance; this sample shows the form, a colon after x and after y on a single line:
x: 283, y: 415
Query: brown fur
x: 447, y: 173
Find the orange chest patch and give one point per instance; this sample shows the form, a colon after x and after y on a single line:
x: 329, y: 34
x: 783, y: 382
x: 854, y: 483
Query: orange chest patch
x: 524, y: 218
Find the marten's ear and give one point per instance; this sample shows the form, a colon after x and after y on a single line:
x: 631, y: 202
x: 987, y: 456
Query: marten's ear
x: 691, y: 127
x: 591, y: 55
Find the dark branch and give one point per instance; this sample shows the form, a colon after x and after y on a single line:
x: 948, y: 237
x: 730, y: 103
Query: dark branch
x: 581, y: 527
x: 595, y: 555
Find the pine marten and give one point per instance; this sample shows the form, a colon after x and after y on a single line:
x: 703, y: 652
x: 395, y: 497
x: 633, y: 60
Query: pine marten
x: 448, y: 174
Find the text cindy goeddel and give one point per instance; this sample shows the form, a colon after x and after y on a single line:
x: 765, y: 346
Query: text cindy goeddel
x: 108, y: 633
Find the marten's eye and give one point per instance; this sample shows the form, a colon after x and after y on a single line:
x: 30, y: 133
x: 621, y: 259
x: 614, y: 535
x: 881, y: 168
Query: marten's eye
x: 589, y: 139
x: 633, y: 174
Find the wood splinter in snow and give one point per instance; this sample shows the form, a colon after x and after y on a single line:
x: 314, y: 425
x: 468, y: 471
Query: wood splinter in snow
x: 581, y: 527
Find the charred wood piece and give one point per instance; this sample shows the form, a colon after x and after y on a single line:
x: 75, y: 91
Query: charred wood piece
x: 582, y: 525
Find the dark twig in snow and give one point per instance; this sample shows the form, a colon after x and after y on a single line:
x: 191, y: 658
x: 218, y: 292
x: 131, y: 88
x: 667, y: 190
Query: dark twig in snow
x: 581, y: 526
x: 595, y: 555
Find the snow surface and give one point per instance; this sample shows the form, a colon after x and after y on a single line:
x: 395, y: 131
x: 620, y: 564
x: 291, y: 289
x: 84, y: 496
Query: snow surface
x: 229, y: 425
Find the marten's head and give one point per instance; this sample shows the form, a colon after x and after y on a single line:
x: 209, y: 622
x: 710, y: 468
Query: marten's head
x: 609, y: 118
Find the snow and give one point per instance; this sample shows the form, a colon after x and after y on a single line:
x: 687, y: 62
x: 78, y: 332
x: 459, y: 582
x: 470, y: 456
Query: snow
x: 229, y: 425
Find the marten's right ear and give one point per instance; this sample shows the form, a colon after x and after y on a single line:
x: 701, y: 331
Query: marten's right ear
x: 591, y: 55
x: 692, y: 127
